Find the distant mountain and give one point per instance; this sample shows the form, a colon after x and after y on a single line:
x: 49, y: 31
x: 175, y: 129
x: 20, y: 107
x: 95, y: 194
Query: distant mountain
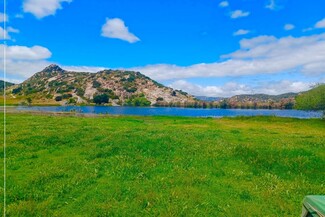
x: 251, y: 101
x: 117, y: 87
x: 262, y: 97
x: 3, y: 83
x: 209, y: 99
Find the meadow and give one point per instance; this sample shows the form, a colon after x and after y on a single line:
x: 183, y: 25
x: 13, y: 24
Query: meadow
x: 70, y: 165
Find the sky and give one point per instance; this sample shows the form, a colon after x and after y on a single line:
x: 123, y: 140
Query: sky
x: 206, y: 48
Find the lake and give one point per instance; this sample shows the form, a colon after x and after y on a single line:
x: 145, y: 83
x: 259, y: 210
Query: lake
x: 189, y: 112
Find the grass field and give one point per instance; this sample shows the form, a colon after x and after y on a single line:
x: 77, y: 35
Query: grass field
x: 162, y: 166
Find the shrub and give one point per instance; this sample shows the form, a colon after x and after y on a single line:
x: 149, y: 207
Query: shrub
x: 58, y: 98
x: 140, y: 100
x: 96, y: 84
x: 100, y: 99
x: 66, y: 95
x: 72, y: 101
x: 49, y: 96
x: 131, y: 89
x: 80, y: 92
x: 17, y: 90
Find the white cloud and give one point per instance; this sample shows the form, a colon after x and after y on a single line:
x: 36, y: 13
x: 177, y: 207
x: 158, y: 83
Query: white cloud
x: 241, y: 32
x: 115, y: 28
x: 42, y: 8
x: 3, y: 18
x: 11, y: 29
x: 288, y: 27
x: 256, y: 56
x: 320, y: 24
x: 4, y: 34
x: 234, y: 88
x: 271, y: 5
x: 224, y: 4
x: 25, y: 53
x: 308, y: 29
x: 259, y: 55
x: 239, y: 13
x: 23, y: 69
x: 83, y: 68
x: 22, y: 61
x: 19, y: 16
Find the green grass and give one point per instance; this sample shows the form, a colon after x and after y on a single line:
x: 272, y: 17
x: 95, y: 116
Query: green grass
x: 162, y: 166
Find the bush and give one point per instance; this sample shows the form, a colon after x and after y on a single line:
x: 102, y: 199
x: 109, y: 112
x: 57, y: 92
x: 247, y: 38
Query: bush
x: 66, y: 95
x: 17, y: 90
x: 49, y: 96
x: 131, y: 89
x: 160, y: 99
x: 140, y: 100
x: 96, y: 84
x: 80, y: 92
x: 72, y: 101
x: 100, y: 99
x: 58, y: 98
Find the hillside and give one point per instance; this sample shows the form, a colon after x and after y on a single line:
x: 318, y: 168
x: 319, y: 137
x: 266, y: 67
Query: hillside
x: 2, y: 84
x: 209, y: 98
x: 265, y: 101
x: 313, y: 99
x: 116, y: 87
x: 250, y: 101
x: 262, y: 97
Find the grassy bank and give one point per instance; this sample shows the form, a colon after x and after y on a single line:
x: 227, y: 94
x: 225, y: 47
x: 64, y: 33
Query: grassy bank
x: 168, y: 166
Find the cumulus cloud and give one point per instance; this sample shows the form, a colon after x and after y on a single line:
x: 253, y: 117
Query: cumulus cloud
x: 259, y: 55
x: 233, y: 88
x: 224, y: 4
x: 115, y: 28
x: 11, y: 29
x: 25, y: 53
x: 3, y: 18
x: 241, y: 32
x: 22, y: 69
x: 4, y: 34
x: 288, y: 27
x: 320, y: 24
x: 83, y: 68
x: 239, y: 13
x: 22, y: 61
x: 41, y: 8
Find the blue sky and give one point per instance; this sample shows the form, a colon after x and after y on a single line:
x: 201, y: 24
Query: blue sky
x: 207, y: 47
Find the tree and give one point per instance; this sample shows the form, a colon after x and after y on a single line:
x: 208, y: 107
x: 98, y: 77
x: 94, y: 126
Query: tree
x: 313, y: 99
x: 100, y: 99
x: 29, y: 101
x: 58, y: 98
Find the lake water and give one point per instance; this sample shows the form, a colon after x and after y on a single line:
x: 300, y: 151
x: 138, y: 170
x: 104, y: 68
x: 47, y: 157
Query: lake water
x: 189, y: 112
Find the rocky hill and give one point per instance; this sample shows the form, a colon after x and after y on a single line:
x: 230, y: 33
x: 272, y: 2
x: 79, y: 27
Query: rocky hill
x: 117, y: 87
